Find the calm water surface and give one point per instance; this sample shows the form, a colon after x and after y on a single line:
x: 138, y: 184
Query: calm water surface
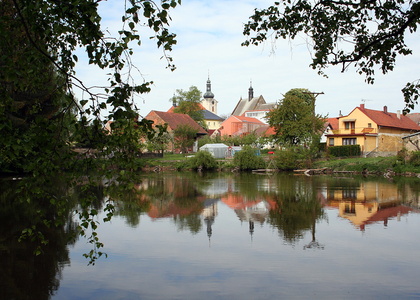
x: 244, y: 236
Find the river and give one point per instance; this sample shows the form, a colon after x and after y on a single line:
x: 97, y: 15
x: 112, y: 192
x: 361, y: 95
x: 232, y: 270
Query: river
x: 229, y: 236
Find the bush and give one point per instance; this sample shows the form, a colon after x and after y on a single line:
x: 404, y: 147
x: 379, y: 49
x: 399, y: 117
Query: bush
x: 203, y: 160
x: 247, y: 159
x: 292, y: 159
x: 345, y: 151
x: 415, y: 158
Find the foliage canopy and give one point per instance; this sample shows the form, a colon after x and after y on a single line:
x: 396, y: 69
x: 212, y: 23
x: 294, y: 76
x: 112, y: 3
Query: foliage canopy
x: 184, y: 137
x: 294, y: 120
x: 365, y: 34
x: 189, y: 102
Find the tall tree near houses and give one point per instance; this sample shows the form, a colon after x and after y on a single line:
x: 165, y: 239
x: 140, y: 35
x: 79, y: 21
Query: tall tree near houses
x: 184, y: 137
x: 365, y: 34
x: 189, y: 102
x: 294, y: 120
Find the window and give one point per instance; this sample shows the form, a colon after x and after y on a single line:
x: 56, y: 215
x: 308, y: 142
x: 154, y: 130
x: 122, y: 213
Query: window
x: 349, y: 125
x: 370, y: 125
x: 349, y: 141
x: 350, y: 208
x: 331, y: 142
x: 349, y: 193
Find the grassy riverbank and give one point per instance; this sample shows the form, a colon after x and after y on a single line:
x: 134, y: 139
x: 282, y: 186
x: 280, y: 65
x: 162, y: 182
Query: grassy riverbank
x: 359, y: 164
x: 371, y: 165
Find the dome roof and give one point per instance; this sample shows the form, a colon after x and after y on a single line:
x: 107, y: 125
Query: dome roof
x: 208, y: 93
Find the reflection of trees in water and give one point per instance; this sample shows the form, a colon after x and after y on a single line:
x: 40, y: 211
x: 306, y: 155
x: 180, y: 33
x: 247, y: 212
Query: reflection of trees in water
x: 128, y: 202
x: 192, y: 222
x: 298, y: 207
x: 409, y: 188
x: 175, y: 196
x: 26, y: 204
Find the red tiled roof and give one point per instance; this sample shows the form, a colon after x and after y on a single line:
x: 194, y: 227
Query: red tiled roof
x: 248, y: 119
x: 270, y: 131
x: 383, y: 118
x: 415, y: 117
x: 333, y: 123
x: 174, y: 120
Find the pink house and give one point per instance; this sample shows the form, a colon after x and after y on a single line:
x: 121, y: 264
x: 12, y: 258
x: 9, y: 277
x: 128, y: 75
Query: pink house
x: 238, y: 125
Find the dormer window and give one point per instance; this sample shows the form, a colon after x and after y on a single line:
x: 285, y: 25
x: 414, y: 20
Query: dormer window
x: 349, y: 124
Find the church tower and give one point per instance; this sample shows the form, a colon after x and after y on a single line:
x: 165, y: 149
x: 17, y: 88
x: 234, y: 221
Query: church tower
x: 209, y: 102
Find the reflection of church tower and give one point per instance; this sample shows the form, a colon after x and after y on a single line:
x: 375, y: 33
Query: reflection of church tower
x: 209, y: 213
x: 209, y: 102
x: 209, y: 221
x: 251, y: 228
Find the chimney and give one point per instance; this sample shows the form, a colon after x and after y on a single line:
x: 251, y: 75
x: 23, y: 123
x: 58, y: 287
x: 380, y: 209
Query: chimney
x: 385, y: 109
x: 362, y: 106
x: 339, y: 114
x: 398, y: 114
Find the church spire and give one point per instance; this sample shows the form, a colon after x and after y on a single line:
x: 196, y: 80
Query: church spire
x: 250, y: 92
x: 208, y: 93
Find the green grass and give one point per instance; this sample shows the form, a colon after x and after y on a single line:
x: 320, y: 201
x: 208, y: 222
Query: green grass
x: 371, y: 164
x: 358, y: 164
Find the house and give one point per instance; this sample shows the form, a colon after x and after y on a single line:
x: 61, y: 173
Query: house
x: 415, y: 117
x: 174, y: 120
x: 212, y: 120
x: 379, y: 133
x: 252, y: 104
x: 411, y: 142
x: 238, y: 126
x: 329, y: 125
x: 260, y: 114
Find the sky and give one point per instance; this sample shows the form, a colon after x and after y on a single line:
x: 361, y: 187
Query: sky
x: 209, y: 35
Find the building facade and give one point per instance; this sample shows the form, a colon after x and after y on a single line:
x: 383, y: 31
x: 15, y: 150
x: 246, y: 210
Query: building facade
x: 379, y: 133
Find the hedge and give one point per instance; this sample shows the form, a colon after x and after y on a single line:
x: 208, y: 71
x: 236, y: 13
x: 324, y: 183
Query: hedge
x: 344, y: 151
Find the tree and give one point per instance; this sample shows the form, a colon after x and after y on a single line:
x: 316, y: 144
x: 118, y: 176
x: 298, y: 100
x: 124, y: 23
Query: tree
x: 38, y: 43
x: 365, y: 34
x: 38, y: 40
x: 160, y: 140
x: 294, y: 120
x: 184, y: 137
x: 189, y: 102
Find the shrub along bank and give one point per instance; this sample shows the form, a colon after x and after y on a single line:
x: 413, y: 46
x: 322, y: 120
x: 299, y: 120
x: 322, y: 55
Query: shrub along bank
x: 401, y: 164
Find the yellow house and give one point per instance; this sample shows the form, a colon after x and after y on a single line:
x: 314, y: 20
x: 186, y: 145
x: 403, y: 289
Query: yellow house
x: 212, y: 120
x: 379, y: 133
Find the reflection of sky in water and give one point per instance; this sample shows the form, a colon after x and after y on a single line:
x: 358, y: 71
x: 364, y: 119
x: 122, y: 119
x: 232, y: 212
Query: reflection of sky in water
x: 157, y: 261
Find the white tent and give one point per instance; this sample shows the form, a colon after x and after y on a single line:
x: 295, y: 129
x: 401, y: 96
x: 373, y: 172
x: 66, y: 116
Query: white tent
x: 217, y: 150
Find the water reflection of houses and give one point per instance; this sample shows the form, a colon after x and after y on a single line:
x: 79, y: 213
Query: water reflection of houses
x: 367, y: 202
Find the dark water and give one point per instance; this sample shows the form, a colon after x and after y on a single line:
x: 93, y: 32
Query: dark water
x: 237, y: 236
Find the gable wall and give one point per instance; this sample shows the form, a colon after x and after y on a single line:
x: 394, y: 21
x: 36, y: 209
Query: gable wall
x: 362, y: 122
